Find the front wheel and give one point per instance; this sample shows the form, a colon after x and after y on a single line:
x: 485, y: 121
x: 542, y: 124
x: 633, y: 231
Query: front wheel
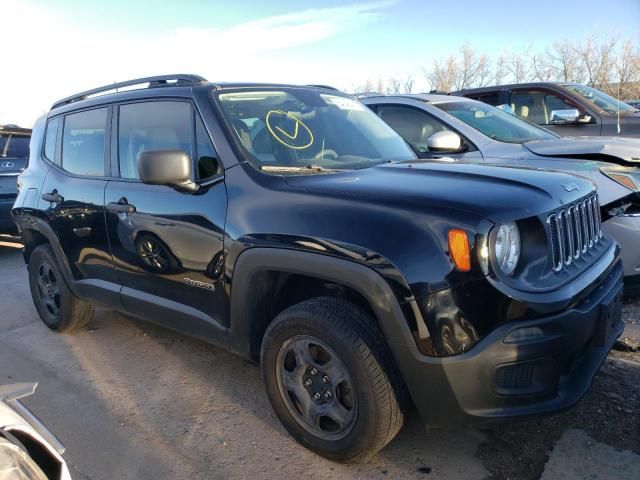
x: 331, y: 379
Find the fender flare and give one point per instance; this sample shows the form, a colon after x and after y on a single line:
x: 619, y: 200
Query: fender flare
x: 358, y: 277
x: 45, y: 230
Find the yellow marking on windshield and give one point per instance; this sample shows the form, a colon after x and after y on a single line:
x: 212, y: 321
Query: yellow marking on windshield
x: 285, y: 137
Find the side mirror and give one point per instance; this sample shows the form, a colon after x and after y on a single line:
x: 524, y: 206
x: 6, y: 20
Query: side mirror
x: 567, y: 115
x: 446, y: 141
x: 172, y: 168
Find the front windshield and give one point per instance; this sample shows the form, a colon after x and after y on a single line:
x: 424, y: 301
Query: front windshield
x: 299, y: 127
x: 495, y: 123
x: 601, y: 99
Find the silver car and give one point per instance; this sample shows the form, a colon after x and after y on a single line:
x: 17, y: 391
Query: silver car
x: 449, y: 128
x: 28, y: 451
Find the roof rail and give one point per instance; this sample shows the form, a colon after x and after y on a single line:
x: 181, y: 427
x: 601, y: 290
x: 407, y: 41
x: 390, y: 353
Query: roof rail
x: 328, y: 87
x: 157, y: 81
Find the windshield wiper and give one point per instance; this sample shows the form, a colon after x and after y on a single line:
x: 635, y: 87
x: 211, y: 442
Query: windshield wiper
x: 290, y: 169
x: 6, y: 147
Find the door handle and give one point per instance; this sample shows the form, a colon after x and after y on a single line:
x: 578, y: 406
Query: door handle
x: 52, y: 197
x: 121, y: 206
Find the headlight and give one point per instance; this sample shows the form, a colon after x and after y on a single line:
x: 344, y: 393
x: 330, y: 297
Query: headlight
x: 16, y: 464
x: 507, y: 247
x: 623, y: 178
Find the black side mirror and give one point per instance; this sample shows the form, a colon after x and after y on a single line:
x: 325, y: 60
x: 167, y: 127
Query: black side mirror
x: 172, y: 168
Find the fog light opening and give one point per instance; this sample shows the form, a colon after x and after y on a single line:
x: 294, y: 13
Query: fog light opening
x: 525, y: 334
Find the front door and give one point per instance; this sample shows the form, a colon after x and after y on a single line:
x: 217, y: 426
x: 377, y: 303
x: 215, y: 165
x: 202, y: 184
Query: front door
x: 554, y: 111
x: 167, y: 244
x: 416, y: 126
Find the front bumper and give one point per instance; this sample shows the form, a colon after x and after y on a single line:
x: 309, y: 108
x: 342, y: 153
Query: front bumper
x: 625, y: 229
x: 497, y: 381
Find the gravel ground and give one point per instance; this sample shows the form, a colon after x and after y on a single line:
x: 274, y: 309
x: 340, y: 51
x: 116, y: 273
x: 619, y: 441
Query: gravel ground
x: 134, y: 401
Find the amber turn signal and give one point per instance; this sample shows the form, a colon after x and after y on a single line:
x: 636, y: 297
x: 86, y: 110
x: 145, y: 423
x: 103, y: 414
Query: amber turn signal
x: 459, y: 249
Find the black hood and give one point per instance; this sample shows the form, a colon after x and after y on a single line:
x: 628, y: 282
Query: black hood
x: 492, y: 192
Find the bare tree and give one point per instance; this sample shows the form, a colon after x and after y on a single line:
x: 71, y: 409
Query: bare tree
x: 469, y: 69
x: 407, y: 84
x: 596, y: 59
x: 607, y: 63
x: 394, y: 86
x: 565, y: 62
x: 519, y: 67
x: 500, y: 69
x: 627, y: 70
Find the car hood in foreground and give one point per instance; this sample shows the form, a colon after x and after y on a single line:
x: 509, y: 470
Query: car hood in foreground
x: 620, y: 150
x: 492, y: 192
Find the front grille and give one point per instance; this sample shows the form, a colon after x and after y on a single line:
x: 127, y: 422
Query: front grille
x: 574, y: 231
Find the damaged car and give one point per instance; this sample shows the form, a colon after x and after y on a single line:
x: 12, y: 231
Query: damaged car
x: 28, y: 450
x: 449, y: 128
x: 360, y: 278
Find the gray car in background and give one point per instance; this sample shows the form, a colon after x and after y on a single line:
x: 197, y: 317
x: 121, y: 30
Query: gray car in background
x: 448, y: 128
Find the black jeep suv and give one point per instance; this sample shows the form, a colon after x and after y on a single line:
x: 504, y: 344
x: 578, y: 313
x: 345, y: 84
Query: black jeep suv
x: 292, y: 226
x: 14, y: 153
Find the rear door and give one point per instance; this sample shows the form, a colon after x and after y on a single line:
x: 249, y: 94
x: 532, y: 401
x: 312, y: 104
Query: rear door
x: 167, y: 244
x: 554, y: 111
x: 72, y: 196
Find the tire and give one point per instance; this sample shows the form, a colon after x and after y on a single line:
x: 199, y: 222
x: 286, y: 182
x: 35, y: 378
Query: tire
x: 367, y: 402
x: 58, y: 308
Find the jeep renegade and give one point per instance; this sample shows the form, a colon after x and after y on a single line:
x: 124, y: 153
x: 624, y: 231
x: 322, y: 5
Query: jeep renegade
x: 291, y: 225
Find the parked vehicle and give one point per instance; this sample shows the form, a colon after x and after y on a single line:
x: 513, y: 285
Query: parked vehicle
x: 28, y: 450
x: 444, y: 127
x: 633, y: 103
x: 353, y: 272
x: 569, y: 109
x: 14, y: 153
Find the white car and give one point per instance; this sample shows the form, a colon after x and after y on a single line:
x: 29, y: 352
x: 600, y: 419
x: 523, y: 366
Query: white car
x: 458, y: 129
x: 28, y: 450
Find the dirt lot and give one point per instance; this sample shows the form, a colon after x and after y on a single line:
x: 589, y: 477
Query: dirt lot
x: 133, y: 401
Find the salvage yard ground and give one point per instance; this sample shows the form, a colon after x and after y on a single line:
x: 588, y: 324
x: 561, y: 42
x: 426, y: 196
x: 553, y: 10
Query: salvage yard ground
x: 133, y: 401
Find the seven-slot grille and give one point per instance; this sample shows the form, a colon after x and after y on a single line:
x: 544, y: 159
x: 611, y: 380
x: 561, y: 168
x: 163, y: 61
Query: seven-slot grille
x: 573, y: 231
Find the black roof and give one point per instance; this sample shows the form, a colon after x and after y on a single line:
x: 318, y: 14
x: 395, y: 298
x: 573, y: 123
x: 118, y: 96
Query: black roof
x: 510, y: 85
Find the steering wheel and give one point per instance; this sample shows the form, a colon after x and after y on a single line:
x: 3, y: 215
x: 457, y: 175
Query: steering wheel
x: 326, y: 153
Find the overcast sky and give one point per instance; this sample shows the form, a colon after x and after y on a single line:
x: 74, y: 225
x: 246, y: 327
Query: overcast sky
x: 53, y: 48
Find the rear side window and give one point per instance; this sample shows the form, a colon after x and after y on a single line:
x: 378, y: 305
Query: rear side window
x: 152, y: 126
x: 83, y: 140
x: 492, y: 98
x: 51, y: 139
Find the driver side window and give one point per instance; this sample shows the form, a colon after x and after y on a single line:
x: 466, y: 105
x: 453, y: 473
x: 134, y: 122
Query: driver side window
x: 543, y: 107
x: 414, y: 125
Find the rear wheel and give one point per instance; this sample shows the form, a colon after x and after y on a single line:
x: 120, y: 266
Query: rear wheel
x: 331, y: 379
x: 58, y: 308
